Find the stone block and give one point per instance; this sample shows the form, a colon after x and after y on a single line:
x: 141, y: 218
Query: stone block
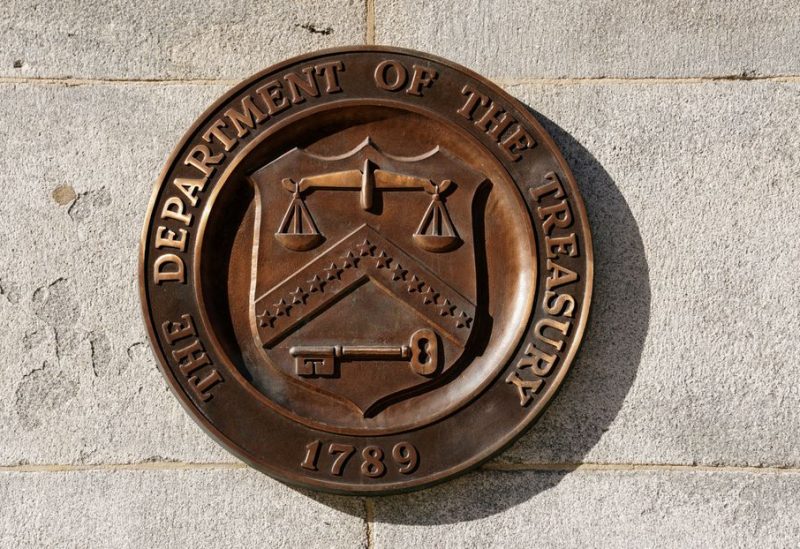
x: 170, y: 508
x: 688, y: 358
x: 176, y: 40
x: 515, y: 39
x: 595, y: 509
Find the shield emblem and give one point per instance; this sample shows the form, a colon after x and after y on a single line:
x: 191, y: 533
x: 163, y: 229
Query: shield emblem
x: 364, y: 234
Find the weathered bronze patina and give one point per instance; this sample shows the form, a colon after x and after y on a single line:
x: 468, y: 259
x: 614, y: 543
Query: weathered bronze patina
x: 365, y: 270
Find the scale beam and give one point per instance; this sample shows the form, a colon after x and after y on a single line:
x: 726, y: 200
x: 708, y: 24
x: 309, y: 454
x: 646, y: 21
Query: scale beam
x: 366, y: 181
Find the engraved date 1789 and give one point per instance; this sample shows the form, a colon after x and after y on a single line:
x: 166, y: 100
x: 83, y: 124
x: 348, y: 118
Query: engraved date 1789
x: 373, y: 465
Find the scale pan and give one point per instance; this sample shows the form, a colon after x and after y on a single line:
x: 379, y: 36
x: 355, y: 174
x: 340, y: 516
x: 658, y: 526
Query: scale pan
x: 436, y: 243
x: 299, y: 242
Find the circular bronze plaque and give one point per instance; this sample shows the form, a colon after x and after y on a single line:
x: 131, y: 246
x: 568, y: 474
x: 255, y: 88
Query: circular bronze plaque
x: 365, y: 270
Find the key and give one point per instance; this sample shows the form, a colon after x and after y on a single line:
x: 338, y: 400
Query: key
x: 422, y: 353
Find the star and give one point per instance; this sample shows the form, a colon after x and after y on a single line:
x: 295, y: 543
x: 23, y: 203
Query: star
x: 282, y: 308
x: 415, y: 285
x: 383, y: 260
x: 446, y: 308
x: 316, y: 284
x: 350, y: 261
x: 463, y: 320
x: 429, y: 296
x: 398, y: 272
x: 266, y: 319
x: 365, y: 248
x: 332, y: 272
x: 298, y: 296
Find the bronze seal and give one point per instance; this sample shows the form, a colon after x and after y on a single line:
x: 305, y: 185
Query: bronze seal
x: 365, y: 270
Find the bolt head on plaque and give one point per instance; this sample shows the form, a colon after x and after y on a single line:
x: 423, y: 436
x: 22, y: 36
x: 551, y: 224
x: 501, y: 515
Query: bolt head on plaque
x: 365, y: 270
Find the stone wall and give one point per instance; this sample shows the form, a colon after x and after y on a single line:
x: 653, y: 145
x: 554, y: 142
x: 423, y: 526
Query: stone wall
x: 679, y: 424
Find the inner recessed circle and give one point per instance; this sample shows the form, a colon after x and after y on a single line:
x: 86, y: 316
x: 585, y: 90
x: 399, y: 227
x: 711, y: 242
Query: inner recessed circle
x: 503, y: 271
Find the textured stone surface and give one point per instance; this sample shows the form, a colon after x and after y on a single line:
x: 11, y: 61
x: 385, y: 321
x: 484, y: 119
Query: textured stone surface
x: 170, y: 508
x: 690, y: 356
x: 596, y: 509
x: 692, y: 347
x: 600, y: 38
x: 81, y: 382
x: 215, y: 39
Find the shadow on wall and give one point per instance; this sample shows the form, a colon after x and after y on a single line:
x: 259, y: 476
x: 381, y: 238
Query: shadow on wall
x: 593, y: 391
